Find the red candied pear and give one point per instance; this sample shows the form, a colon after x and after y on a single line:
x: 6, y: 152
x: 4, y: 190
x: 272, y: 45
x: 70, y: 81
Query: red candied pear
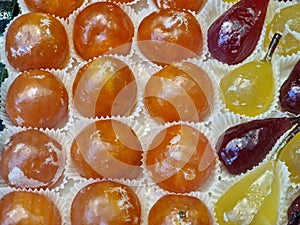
x: 234, y: 35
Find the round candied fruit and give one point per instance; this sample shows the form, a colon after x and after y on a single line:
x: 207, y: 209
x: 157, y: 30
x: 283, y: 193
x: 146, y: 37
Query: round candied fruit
x: 107, y: 148
x: 102, y: 28
x: 179, y: 209
x: 58, y: 8
x: 37, y: 98
x: 181, y: 91
x: 106, y: 202
x: 180, y: 159
x: 31, y: 159
x: 168, y: 35
x: 20, y: 207
x: 35, y: 41
x: 104, y: 87
x: 194, y: 5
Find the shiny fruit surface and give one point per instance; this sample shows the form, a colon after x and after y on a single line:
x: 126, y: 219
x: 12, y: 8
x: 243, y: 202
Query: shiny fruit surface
x: 37, y: 98
x: 249, y: 89
x: 106, y: 203
x: 181, y: 91
x: 234, y: 35
x: 180, y: 159
x: 167, y: 35
x: 36, y: 41
x: 287, y: 22
x: 31, y: 159
x: 178, y: 209
x: 24, y: 208
x: 194, y: 5
x: 243, y: 146
x: 58, y: 8
x: 104, y: 87
x: 112, y: 143
x: 102, y: 28
x: 294, y: 212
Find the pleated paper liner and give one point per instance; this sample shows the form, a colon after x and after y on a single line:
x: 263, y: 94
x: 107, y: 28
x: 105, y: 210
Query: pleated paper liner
x: 59, y: 180
x: 61, y: 75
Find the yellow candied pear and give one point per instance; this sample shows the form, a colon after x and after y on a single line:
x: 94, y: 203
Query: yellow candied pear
x: 287, y: 22
x: 230, y: 1
x: 253, y: 200
x: 290, y: 155
x: 249, y: 89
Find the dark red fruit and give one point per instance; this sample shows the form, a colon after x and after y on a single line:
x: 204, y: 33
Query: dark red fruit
x: 294, y: 212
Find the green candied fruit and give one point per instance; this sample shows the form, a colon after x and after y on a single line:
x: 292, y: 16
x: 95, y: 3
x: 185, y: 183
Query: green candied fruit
x: 8, y: 10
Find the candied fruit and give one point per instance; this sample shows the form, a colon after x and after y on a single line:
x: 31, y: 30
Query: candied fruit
x: 106, y: 202
x: 31, y: 159
x: 37, y: 98
x: 102, y: 28
x: 104, y: 87
x: 179, y: 209
x: 180, y: 158
x: 168, y: 35
x: 24, y: 208
x: 36, y: 41
x: 194, y: 5
x: 181, y: 91
x: 107, y: 148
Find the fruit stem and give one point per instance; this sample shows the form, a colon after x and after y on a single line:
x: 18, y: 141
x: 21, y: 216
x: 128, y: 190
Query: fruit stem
x: 272, y: 46
x: 294, y: 219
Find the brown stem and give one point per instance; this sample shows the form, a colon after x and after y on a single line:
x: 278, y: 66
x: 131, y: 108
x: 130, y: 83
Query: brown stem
x: 272, y: 46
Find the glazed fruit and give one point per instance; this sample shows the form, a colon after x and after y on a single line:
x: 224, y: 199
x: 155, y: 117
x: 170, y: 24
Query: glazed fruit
x: 102, y: 28
x: 20, y: 207
x: 37, y: 98
x: 285, y: 21
x: 180, y: 159
x: 167, y: 36
x: 252, y: 200
x: 107, y: 148
x: 249, y: 89
x: 194, y: 5
x: 181, y: 91
x: 245, y: 145
x: 57, y: 8
x: 35, y: 41
x: 294, y: 212
x: 179, y: 209
x: 106, y: 202
x: 289, y: 98
x: 31, y: 159
x: 104, y: 87
x: 234, y: 35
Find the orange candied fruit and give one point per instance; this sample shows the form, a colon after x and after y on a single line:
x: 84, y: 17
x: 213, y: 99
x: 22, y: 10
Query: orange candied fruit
x: 58, y: 8
x: 107, y: 148
x: 37, y: 98
x: 36, y: 41
x: 21, y: 207
x: 104, y: 87
x: 106, y: 202
x: 168, y: 35
x: 102, y: 28
x: 181, y: 91
x: 31, y: 159
x: 179, y: 209
x: 180, y: 159
x: 194, y: 5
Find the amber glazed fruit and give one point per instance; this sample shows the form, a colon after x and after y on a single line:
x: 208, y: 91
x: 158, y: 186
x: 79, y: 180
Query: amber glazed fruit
x: 104, y: 87
x: 106, y: 202
x: 102, y: 28
x: 37, y: 99
x: 57, y: 8
x: 180, y: 159
x: 194, y: 5
x: 167, y: 35
x: 107, y: 148
x: 35, y: 41
x: 31, y: 159
x: 181, y: 91
x: 179, y: 209
x: 24, y: 208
